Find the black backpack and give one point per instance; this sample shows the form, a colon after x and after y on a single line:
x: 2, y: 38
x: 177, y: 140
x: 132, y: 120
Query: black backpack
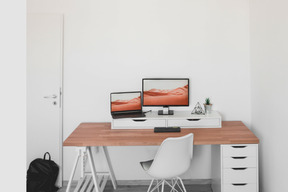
x: 42, y: 175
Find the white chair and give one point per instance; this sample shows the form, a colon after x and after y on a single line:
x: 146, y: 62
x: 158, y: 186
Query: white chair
x: 172, y: 159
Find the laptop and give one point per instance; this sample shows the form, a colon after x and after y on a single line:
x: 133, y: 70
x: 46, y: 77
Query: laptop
x: 126, y: 104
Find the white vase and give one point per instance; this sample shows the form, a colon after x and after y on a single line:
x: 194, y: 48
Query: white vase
x: 208, y: 108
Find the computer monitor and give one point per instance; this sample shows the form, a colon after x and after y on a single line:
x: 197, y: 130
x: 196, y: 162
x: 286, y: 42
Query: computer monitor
x: 165, y: 92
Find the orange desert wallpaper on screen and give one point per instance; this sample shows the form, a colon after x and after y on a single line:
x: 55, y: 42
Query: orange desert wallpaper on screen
x: 126, y: 105
x: 178, y: 96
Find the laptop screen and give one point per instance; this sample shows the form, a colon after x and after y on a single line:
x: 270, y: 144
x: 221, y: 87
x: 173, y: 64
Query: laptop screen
x: 126, y: 101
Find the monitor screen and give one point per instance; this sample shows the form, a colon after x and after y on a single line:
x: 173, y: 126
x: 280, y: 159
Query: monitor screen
x: 126, y: 101
x: 165, y: 91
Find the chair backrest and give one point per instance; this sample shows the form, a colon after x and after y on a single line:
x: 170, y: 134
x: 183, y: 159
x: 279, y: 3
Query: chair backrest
x: 173, y: 157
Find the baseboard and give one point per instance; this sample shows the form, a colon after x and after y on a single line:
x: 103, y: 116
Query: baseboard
x: 147, y: 182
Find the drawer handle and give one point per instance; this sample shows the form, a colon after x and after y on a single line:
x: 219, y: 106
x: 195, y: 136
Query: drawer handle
x: 239, y: 157
x: 139, y: 120
x: 239, y: 184
x: 242, y: 168
x: 193, y: 119
x: 239, y: 146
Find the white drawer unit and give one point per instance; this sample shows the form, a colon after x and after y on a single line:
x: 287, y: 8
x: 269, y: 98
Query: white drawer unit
x: 239, y: 164
x: 138, y: 123
x: 239, y: 175
x: 183, y: 119
x: 239, y: 150
x: 239, y: 161
x: 240, y: 187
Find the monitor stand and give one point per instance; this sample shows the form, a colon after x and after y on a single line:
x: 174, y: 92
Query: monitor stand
x: 165, y: 111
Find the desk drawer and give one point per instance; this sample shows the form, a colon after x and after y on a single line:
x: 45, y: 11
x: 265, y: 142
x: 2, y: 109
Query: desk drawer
x: 137, y: 123
x: 239, y: 175
x: 190, y: 123
x: 244, y: 161
x: 240, y: 187
x: 239, y: 150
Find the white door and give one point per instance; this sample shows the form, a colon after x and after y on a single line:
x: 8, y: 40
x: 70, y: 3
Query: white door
x: 44, y: 85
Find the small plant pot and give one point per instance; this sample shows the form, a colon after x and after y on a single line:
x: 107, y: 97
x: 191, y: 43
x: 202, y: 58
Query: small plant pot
x: 208, y: 108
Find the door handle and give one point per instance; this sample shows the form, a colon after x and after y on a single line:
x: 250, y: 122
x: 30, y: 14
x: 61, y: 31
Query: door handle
x: 50, y: 96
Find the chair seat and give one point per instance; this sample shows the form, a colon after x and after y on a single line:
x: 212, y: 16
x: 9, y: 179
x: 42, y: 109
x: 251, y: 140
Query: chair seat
x: 146, y: 164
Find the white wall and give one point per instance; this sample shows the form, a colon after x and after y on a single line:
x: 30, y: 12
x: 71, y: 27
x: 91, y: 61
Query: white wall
x: 111, y: 45
x: 13, y: 94
x: 269, y: 69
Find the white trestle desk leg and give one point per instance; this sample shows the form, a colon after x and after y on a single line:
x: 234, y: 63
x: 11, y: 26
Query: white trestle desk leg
x: 110, y: 169
x: 73, y: 170
x: 83, y: 163
x: 93, y: 169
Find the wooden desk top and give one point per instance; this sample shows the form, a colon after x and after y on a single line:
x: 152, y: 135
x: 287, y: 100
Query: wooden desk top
x: 101, y: 134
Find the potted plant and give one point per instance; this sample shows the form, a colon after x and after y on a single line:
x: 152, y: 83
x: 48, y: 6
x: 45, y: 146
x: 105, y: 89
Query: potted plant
x: 207, y: 105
